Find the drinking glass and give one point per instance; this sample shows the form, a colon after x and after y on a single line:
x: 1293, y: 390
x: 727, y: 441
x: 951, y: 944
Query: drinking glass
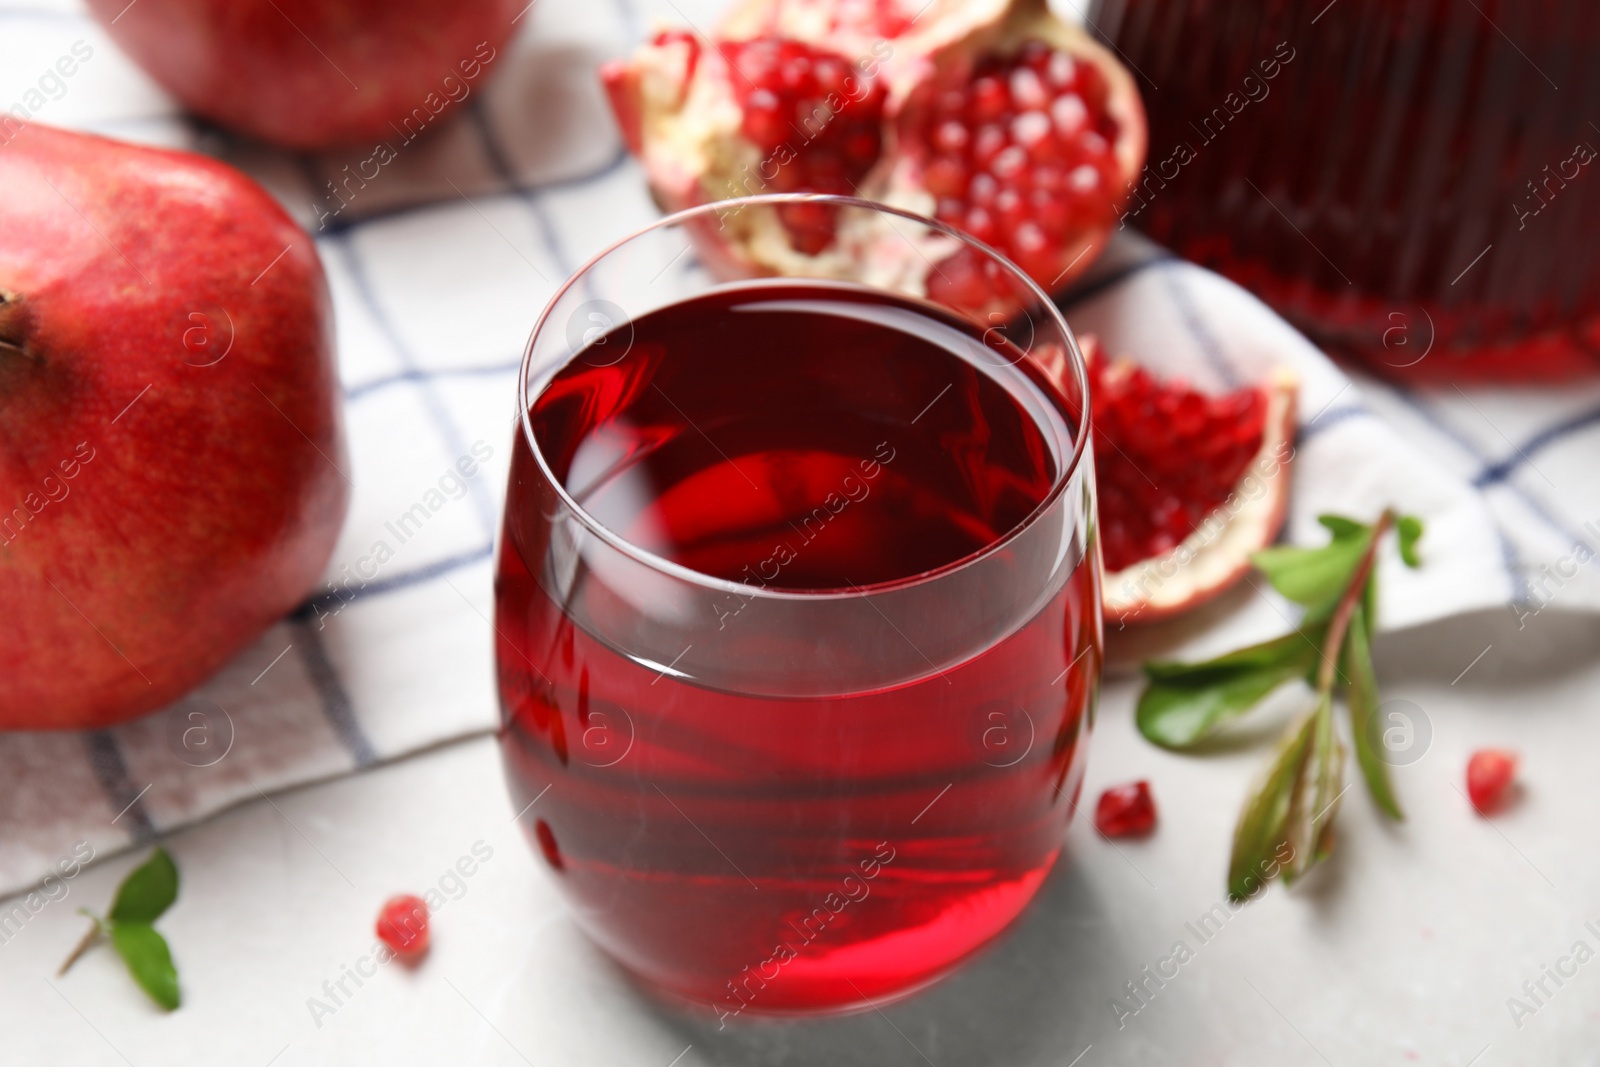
x: 763, y: 797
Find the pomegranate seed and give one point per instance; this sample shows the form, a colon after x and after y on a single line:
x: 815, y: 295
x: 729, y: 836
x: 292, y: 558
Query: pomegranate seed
x: 951, y: 137
x: 1061, y: 71
x: 1070, y: 115
x: 1489, y: 773
x: 1030, y: 127
x: 946, y: 177
x: 1048, y: 209
x: 989, y: 99
x: 403, y: 926
x: 987, y: 143
x: 1092, y: 84
x: 1010, y: 207
x: 1048, y: 179
x: 1022, y: 124
x: 796, y: 72
x: 1029, y: 239
x: 1009, y: 163
x: 785, y: 92
x: 830, y: 75
x: 1027, y: 89
x: 952, y: 103
x: 1126, y: 810
x: 1083, y: 180
x: 763, y: 122
x: 1159, y: 467
x: 980, y: 224
x: 862, y: 148
x: 959, y: 280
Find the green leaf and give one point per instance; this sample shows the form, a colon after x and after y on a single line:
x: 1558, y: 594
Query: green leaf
x: 1311, y: 822
x: 1315, y: 577
x: 1362, y: 697
x: 148, y: 959
x: 1261, y: 836
x: 1410, y: 530
x: 1184, y: 703
x: 148, y: 890
x: 1341, y: 527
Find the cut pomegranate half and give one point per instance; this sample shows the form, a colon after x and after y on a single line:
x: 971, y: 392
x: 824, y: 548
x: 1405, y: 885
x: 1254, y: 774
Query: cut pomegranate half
x: 1189, y: 483
x: 991, y: 115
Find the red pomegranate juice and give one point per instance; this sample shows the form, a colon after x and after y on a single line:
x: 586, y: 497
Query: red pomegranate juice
x: 781, y: 818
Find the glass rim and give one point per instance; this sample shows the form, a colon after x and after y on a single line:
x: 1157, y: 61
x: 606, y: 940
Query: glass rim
x: 661, y: 564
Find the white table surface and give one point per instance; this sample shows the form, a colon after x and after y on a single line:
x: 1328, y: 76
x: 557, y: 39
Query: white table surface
x: 1403, y: 949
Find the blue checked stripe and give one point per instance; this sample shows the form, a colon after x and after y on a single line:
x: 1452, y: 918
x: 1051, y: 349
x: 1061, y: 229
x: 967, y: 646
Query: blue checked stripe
x: 111, y: 771
x: 1499, y: 472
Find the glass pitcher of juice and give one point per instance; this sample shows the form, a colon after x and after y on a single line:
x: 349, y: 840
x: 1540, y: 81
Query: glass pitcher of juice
x: 1414, y: 183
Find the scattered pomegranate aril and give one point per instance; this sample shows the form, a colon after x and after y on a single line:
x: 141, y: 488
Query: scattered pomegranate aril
x: 1126, y: 810
x: 403, y: 926
x: 1490, y: 773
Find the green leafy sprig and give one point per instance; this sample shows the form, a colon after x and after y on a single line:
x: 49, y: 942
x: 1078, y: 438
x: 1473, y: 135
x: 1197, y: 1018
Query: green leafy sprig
x: 144, y: 895
x: 1286, y: 826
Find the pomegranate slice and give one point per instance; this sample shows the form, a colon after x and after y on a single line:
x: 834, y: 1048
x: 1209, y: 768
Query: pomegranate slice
x: 1189, y: 483
x: 991, y: 115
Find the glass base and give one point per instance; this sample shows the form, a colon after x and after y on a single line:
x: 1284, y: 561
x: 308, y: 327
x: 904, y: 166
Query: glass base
x: 857, y: 977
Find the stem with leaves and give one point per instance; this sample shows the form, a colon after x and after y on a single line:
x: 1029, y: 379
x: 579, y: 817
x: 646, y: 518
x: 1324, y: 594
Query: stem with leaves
x: 143, y: 896
x: 1286, y: 826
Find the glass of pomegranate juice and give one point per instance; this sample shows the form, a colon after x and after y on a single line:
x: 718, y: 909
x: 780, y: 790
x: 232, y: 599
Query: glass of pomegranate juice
x: 797, y: 608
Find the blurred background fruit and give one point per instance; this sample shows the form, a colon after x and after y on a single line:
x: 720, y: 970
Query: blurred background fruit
x: 1402, y: 180
x: 311, y: 74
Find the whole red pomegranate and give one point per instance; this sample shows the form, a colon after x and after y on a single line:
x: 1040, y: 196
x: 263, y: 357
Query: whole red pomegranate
x: 310, y: 74
x: 991, y: 115
x: 170, y: 438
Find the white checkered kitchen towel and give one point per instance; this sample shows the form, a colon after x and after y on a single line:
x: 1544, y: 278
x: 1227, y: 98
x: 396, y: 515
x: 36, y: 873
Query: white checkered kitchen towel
x: 439, y: 267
